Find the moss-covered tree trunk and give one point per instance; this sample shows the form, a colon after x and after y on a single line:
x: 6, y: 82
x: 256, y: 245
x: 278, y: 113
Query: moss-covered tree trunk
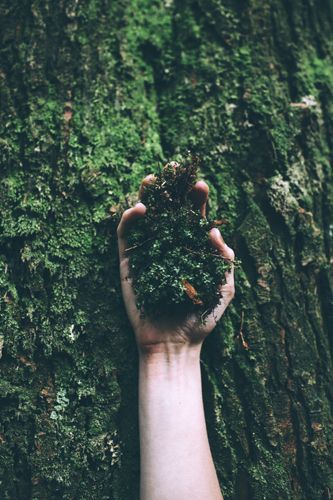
x: 94, y: 95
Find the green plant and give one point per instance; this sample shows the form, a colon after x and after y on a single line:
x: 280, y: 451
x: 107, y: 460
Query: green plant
x: 172, y: 262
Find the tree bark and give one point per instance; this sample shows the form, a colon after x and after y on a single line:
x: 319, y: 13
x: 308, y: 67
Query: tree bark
x: 94, y: 95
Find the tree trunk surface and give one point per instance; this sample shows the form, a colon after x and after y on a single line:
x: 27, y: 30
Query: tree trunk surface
x: 95, y: 94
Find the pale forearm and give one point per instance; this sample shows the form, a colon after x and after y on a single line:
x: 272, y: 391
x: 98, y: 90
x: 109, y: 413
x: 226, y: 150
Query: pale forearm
x: 176, y: 462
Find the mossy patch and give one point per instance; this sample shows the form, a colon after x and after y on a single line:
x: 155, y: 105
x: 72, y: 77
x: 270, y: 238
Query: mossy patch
x: 172, y: 261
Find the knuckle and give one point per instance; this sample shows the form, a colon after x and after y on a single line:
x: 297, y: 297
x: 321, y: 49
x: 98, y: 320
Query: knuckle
x: 124, y: 263
x: 229, y: 290
x: 232, y: 254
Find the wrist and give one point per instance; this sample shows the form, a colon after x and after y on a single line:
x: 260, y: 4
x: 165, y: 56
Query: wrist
x: 168, y: 358
x: 168, y: 351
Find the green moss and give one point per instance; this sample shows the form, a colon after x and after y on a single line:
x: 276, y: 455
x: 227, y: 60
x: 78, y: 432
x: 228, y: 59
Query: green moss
x: 172, y: 261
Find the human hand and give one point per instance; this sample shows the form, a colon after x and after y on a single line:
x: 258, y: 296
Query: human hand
x: 171, y: 334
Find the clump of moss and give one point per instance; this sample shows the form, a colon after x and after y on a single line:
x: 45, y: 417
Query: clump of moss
x: 172, y: 262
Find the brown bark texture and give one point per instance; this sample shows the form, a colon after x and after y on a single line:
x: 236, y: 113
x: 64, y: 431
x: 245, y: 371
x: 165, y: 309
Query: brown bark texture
x: 95, y: 94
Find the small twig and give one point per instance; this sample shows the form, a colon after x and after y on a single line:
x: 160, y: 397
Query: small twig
x: 203, y: 314
x: 193, y: 251
x: 244, y: 343
x: 138, y: 245
x: 220, y: 222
